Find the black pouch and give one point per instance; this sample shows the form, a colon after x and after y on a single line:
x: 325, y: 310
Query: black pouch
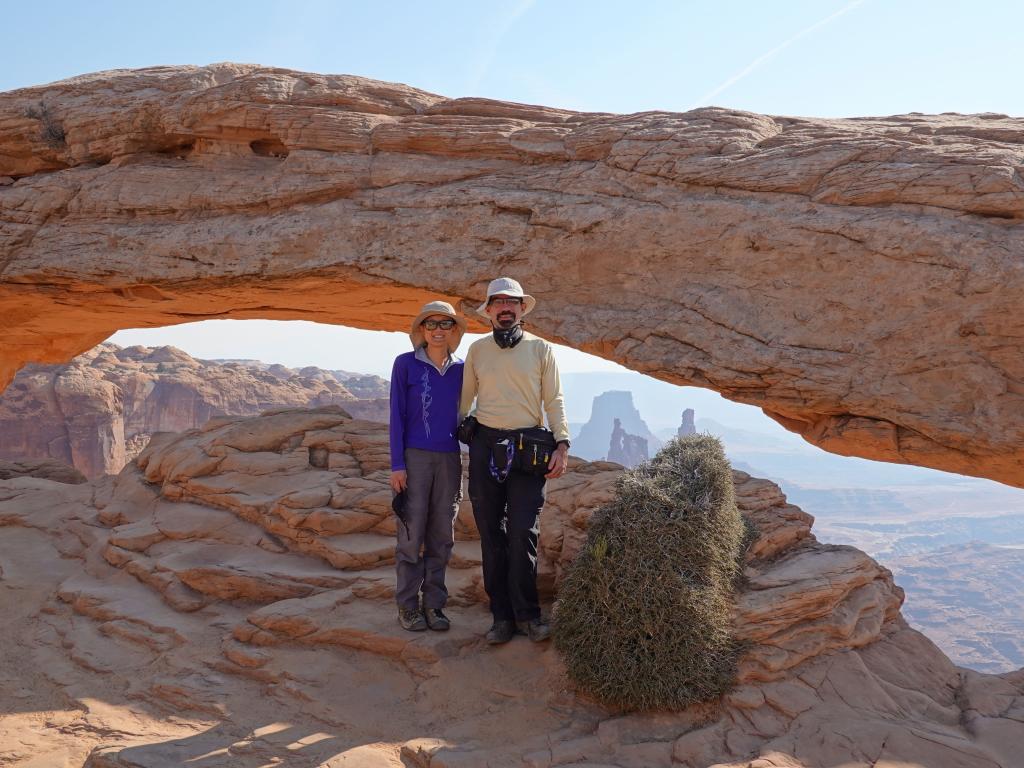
x: 534, y: 448
x: 398, y: 507
x: 467, y: 430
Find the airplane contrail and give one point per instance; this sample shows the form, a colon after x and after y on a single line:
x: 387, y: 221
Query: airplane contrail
x: 484, y: 64
x: 760, y: 60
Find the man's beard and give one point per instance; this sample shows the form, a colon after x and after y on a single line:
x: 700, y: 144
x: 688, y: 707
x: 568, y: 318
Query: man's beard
x: 506, y: 320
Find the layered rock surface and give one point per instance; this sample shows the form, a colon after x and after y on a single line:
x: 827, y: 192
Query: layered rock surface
x: 857, y: 279
x: 49, y: 469
x: 98, y: 411
x: 228, y: 598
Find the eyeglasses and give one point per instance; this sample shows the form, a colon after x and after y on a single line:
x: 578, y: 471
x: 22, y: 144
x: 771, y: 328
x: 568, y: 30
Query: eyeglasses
x: 433, y: 325
x: 502, y: 301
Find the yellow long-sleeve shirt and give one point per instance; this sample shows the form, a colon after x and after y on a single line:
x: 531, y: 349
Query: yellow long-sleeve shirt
x: 514, y: 387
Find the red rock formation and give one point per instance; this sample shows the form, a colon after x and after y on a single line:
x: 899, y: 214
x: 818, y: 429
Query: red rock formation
x: 857, y: 279
x: 244, y: 571
x: 99, y: 411
x: 48, y: 469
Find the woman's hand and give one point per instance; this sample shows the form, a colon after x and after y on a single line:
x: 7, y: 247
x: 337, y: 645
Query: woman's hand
x: 399, y: 479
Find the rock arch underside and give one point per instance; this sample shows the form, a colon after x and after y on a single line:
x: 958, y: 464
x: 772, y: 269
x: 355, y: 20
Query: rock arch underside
x: 227, y: 599
x: 857, y: 279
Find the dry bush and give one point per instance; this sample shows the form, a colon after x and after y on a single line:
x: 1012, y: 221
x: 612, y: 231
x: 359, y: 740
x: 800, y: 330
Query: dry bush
x: 50, y: 131
x: 643, y: 618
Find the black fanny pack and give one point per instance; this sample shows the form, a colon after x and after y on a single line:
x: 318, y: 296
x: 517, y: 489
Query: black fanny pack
x: 527, y: 451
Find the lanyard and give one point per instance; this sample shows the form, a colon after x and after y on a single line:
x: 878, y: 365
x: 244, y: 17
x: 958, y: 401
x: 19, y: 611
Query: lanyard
x: 510, y: 452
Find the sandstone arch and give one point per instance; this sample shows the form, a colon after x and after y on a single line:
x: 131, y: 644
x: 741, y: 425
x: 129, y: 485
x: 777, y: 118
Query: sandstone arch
x: 857, y: 279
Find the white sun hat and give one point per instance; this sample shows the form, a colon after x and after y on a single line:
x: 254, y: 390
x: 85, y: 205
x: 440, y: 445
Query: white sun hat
x: 506, y: 286
x: 437, y: 308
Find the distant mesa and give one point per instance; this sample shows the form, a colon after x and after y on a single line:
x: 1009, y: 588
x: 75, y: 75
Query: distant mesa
x: 618, y: 433
x: 594, y: 440
x: 97, y: 412
x: 626, y: 449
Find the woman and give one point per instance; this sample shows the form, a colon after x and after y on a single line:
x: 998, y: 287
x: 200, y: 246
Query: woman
x: 426, y: 464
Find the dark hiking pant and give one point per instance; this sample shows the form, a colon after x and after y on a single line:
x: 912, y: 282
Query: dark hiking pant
x: 507, y: 516
x: 425, y: 542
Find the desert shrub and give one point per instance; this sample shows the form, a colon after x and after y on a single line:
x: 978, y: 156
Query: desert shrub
x: 51, y: 131
x: 643, y: 618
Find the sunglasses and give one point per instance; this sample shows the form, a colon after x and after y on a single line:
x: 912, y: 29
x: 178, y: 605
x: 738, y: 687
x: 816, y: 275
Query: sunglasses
x: 433, y: 325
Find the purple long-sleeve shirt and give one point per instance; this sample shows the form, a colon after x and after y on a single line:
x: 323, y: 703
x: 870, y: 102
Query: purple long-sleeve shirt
x: 424, y: 405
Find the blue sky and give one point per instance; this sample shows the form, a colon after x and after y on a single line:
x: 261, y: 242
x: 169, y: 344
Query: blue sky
x: 823, y: 58
x: 796, y: 57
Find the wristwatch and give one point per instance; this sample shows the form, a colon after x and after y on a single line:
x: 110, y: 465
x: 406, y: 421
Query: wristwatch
x: 560, y: 442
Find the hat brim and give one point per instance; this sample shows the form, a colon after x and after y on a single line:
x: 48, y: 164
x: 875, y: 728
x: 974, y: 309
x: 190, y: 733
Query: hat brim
x: 416, y: 331
x: 528, y: 304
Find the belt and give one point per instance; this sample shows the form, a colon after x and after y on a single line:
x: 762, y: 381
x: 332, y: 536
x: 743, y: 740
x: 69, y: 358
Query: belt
x: 494, y: 434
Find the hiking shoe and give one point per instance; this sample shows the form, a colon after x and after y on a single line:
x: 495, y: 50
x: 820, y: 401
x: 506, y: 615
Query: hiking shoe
x: 537, y: 629
x: 436, y: 620
x: 411, y: 619
x: 501, y: 632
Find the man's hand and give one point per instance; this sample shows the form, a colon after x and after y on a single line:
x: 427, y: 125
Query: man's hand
x: 559, y: 462
x: 399, y: 480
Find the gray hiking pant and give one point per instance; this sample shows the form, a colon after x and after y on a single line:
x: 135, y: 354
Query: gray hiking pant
x: 432, y: 499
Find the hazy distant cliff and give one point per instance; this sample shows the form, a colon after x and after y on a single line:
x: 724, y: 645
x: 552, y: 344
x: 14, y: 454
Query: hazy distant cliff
x: 593, y: 439
x: 97, y: 412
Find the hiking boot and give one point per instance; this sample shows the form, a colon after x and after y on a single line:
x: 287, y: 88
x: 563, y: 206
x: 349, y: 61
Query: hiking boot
x: 436, y: 620
x: 500, y: 632
x: 537, y: 629
x: 411, y: 619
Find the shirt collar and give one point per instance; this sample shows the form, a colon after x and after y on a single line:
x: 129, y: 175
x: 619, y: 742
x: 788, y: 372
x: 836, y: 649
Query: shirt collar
x: 421, y: 354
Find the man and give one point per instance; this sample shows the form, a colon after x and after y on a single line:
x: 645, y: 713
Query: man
x: 514, y: 379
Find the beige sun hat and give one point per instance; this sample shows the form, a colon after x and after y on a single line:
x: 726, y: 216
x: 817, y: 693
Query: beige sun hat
x: 506, y: 286
x: 437, y: 308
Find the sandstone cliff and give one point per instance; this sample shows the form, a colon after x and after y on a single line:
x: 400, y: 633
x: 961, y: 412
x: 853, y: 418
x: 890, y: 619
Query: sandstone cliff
x: 98, y: 411
x: 228, y: 599
x: 857, y: 279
